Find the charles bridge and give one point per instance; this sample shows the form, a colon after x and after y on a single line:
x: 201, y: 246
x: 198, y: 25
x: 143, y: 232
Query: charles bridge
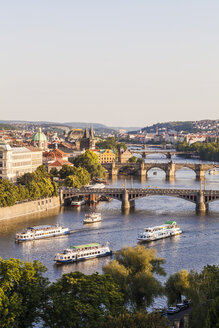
x: 170, y: 168
x: 127, y: 196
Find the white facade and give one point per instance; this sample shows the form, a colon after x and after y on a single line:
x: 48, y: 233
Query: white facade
x: 17, y: 161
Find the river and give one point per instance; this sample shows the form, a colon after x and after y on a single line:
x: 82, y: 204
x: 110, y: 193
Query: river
x: 197, y: 246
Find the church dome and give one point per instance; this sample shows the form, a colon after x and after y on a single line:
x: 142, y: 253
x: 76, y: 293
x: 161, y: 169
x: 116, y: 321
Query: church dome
x: 39, y: 136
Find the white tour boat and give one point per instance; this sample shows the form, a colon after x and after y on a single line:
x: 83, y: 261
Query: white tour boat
x: 39, y: 232
x: 82, y: 252
x: 170, y: 228
x: 92, y: 217
x: 78, y: 203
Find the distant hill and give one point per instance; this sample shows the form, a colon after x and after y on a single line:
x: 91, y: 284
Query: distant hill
x: 96, y: 126
x: 181, y: 126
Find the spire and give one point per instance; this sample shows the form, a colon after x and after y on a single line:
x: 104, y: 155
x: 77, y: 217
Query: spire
x: 91, y: 132
x: 86, y: 133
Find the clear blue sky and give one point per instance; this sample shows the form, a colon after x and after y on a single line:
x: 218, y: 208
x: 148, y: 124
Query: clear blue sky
x: 117, y: 62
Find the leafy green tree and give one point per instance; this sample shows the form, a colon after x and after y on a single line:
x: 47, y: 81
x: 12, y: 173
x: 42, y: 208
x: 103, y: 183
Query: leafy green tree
x: 54, y: 172
x: 203, y: 290
x: 77, y: 300
x: 140, y: 160
x: 133, y: 270
x: 140, y: 319
x: 90, y: 161
x: 212, y: 320
x: 65, y: 171
x: 176, y: 286
x: 132, y: 159
x: 8, y: 193
x: 22, y: 293
x: 79, y: 177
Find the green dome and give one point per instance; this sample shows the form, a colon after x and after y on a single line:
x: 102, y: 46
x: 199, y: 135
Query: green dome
x: 39, y: 136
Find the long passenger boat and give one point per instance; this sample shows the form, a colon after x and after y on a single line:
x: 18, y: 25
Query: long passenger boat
x: 82, y: 252
x: 170, y: 228
x: 39, y: 232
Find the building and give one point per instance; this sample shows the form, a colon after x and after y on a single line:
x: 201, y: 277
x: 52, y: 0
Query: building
x: 88, y: 141
x: 106, y: 156
x: 58, y: 164
x: 54, y: 155
x: 16, y: 161
x: 124, y: 156
x: 39, y: 140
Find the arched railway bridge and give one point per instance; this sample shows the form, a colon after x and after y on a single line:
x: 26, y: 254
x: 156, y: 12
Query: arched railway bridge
x: 127, y: 196
x: 170, y: 168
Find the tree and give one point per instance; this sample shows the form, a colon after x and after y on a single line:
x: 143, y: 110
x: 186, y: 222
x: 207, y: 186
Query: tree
x: 133, y: 270
x: 65, y: 171
x: 79, y: 177
x: 8, y: 193
x: 78, y: 300
x: 132, y: 159
x: 54, y: 172
x: 90, y: 161
x: 176, y: 286
x: 22, y: 292
x: 140, y: 319
x: 212, y: 320
x: 203, y: 290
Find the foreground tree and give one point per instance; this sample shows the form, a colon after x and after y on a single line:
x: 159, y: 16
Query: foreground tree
x: 22, y: 293
x: 77, y: 300
x: 176, y: 286
x: 203, y: 291
x: 133, y: 270
x: 136, y: 320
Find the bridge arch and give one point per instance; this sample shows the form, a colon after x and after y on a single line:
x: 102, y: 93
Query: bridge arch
x: 186, y: 198
x: 187, y: 169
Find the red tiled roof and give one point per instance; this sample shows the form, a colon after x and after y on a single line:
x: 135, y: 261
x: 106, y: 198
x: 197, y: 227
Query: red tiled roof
x: 60, y: 162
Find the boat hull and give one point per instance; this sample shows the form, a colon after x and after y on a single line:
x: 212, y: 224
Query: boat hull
x: 158, y: 237
x: 83, y: 259
x: 18, y: 240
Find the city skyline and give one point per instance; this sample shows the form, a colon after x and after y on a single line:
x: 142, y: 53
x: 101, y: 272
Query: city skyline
x: 117, y: 63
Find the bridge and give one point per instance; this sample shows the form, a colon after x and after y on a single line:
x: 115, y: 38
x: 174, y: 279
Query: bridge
x: 170, y: 168
x: 127, y: 196
x: 167, y: 153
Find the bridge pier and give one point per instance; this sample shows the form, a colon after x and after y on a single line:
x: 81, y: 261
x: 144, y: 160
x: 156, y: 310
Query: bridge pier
x: 171, y: 169
x: 114, y: 170
x: 200, y: 173
x: 201, y: 206
x: 126, y: 203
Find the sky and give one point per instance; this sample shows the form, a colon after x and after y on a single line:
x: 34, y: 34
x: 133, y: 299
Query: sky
x: 116, y: 62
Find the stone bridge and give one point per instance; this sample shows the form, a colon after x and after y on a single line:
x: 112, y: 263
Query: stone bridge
x: 167, y: 153
x: 127, y: 196
x: 170, y: 168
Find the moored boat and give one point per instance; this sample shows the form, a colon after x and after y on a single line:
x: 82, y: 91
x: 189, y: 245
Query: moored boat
x: 213, y: 171
x: 83, y: 252
x: 92, y: 217
x: 78, y: 203
x: 170, y: 228
x: 39, y: 232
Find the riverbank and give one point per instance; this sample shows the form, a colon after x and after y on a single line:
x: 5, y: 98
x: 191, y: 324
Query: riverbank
x: 29, y: 208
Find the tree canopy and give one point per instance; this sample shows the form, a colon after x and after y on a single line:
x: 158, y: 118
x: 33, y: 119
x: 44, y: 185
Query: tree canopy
x: 78, y: 300
x: 90, y: 161
x: 22, y: 292
x: 133, y: 270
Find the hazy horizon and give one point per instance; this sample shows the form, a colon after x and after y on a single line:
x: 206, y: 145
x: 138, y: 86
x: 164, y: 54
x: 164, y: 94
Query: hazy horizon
x: 118, y: 63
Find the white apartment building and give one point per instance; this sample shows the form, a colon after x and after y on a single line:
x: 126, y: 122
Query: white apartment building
x: 16, y: 161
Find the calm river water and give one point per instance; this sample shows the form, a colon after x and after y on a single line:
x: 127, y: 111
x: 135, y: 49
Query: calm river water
x: 196, y: 247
